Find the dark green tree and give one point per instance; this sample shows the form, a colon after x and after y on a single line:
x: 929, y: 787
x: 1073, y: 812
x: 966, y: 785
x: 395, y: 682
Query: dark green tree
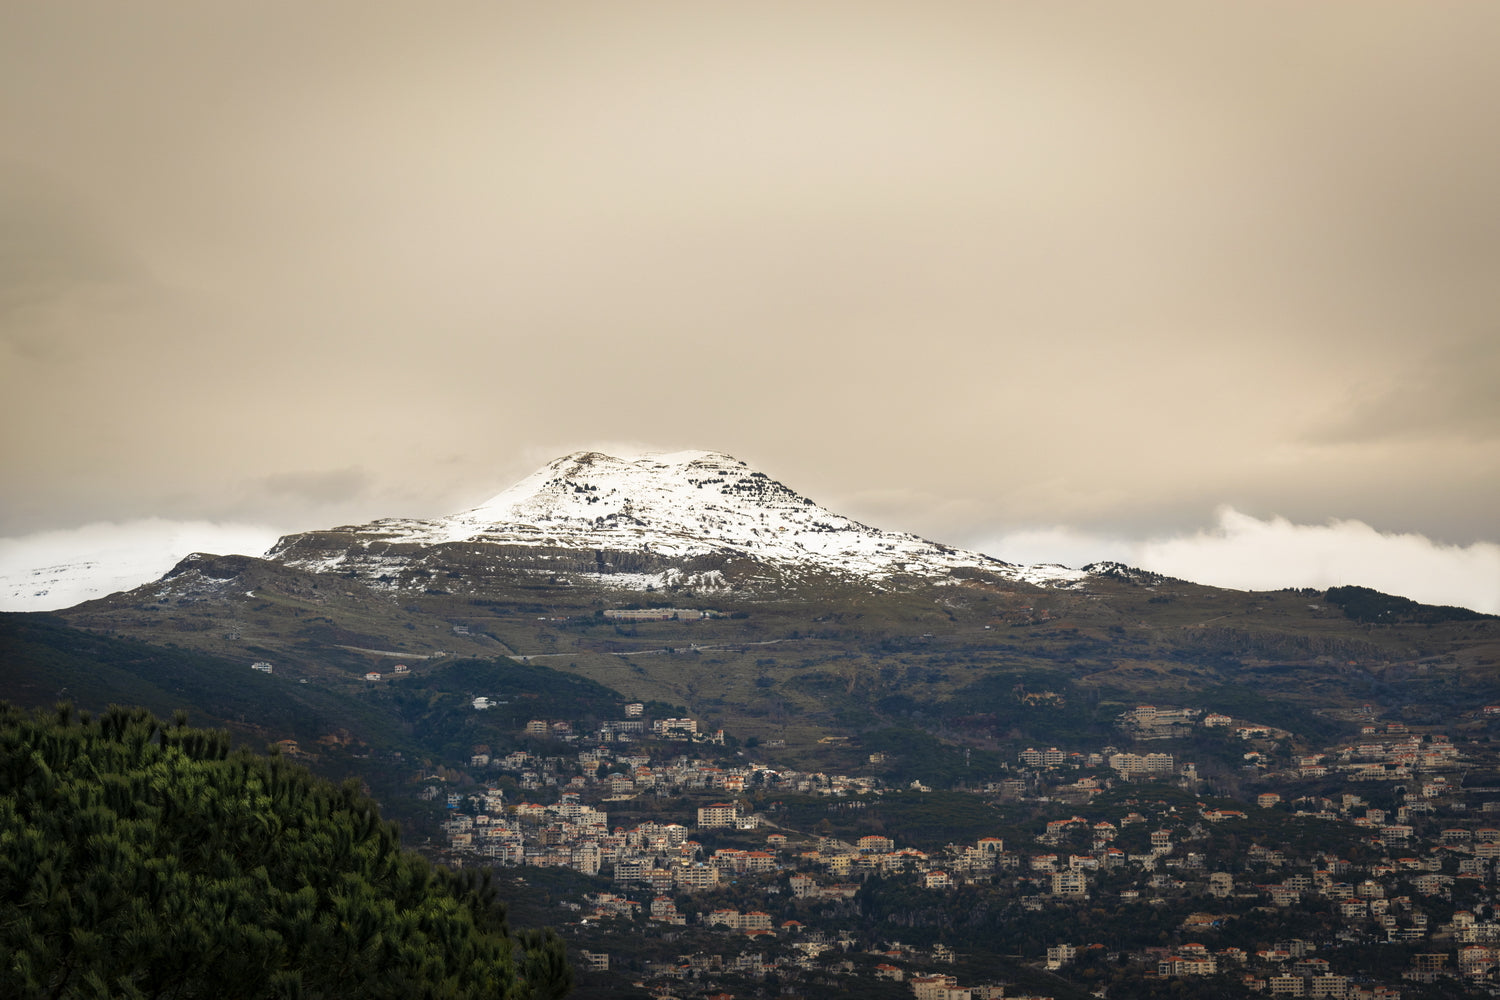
x: 140, y: 858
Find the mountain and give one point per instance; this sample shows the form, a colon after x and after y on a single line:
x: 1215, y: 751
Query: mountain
x: 412, y: 654
x: 789, y: 622
x: 695, y: 518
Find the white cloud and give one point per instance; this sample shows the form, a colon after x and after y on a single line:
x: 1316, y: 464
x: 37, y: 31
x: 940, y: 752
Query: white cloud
x: 58, y: 569
x: 1246, y: 553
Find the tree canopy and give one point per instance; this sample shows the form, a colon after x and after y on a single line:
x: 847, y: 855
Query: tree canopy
x: 141, y: 858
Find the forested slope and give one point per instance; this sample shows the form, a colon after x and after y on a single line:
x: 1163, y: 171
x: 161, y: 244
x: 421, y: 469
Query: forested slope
x: 141, y: 858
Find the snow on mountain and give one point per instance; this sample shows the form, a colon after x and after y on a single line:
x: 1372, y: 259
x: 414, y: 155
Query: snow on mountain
x: 57, y: 569
x: 674, y: 506
x: 61, y: 585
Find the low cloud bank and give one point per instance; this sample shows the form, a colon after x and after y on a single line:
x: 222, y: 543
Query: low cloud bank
x: 58, y: 569
x: 1246, y: 553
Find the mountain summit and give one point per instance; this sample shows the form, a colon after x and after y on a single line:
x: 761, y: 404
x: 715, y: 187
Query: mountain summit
x: 683, y: 516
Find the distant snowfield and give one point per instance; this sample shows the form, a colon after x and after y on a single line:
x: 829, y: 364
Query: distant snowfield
x: 58, y: 569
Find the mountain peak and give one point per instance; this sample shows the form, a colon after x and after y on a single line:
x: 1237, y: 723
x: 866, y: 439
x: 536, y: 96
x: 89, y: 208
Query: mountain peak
x: 674, y: 507
x: 660, y: 459
x: 693, y: 492
x: 657, y: 464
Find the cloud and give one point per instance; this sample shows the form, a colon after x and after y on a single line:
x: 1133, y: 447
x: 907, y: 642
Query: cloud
x: 1244, y: 552
x: 58, y: 569
x: 1448, y: 395
x: 330, y: 486
x: 1049, y: 269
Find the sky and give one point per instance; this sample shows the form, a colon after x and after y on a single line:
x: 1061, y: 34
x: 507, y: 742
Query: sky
x: 1209, y: 288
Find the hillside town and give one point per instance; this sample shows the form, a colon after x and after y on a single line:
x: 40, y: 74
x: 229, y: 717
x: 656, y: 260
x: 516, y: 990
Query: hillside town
x: 1395, y: 857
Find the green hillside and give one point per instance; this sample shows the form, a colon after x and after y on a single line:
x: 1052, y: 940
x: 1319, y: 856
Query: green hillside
x: 804, y: 665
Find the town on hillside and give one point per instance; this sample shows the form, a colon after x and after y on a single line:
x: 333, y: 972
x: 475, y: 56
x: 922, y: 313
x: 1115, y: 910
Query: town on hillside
x: 1364, y: 869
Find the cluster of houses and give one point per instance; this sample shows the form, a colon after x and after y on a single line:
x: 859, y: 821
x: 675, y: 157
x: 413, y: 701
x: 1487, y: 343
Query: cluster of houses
x: 574, y: 834
x: 1145, y: 723
x: 1428, y: 846
x: 810, y: 952
x: 1128, y: 764
x: 627, y: 730
x: 626, y: 773
x: 1418, y: 857
x: 1388, y: 752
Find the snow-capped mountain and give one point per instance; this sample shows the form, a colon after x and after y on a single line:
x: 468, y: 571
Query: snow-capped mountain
x: 686, y: 513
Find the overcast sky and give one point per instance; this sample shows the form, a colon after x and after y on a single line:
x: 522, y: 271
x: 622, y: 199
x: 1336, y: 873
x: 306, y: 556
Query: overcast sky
x: 1117, y: 279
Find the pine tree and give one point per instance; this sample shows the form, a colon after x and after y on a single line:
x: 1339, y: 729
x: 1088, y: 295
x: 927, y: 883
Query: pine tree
x: 142, y: 858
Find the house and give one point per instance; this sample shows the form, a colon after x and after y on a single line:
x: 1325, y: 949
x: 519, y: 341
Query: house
x: 664, y: 909
x: 723, y: 918
x: 1060, y: 955
x: 372, y: 676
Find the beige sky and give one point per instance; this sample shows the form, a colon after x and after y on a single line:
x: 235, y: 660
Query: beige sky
x: 966, y: 269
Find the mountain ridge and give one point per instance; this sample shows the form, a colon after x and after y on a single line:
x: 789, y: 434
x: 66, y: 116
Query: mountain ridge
x: 682, y: 506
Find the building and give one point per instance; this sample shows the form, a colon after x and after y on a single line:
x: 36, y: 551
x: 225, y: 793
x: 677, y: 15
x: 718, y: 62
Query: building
x: 663, y: 909
x: 1069, y: 883
x: 674, y: 727
x: 719, y: 814
x: 938, y: 988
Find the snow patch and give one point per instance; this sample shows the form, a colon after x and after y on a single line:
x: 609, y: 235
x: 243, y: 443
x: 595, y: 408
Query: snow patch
x: 50, y: 570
